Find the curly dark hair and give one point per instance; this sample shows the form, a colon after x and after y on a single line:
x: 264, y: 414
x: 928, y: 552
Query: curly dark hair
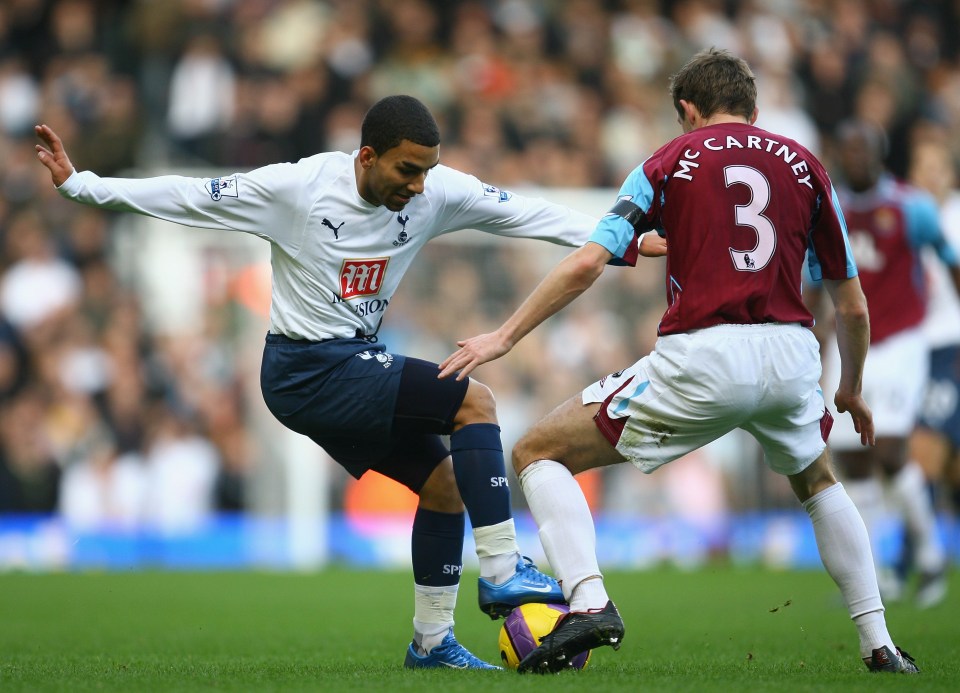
x: 396, y: 118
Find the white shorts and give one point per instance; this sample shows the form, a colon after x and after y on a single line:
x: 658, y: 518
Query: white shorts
x: 696, y: 387
x: 894, y: 377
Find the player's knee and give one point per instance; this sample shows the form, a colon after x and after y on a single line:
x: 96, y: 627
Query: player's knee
x: 857, y: 465
x: 891, y: 455
x: 518, y: 460
x: 525, y: 453
x: 478, y: 406
x: 814, y: 479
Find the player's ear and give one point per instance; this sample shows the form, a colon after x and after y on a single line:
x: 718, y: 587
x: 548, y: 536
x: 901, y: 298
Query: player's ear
x: 691, y: 114
x: 367, y: 156
x: 753, y: 118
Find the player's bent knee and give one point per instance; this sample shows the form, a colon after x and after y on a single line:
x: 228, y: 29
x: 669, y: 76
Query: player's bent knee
x: 526, y: 452
x: 815, y: 478
x: 856, y: 464
x: 891, y: 455
x: 478, y: 406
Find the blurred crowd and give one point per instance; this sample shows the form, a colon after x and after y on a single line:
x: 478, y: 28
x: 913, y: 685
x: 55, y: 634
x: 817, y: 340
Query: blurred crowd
x: 111, y: 421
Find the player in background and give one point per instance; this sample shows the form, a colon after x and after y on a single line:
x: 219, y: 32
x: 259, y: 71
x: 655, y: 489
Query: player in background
x: 935, y: 443
x: 888, y: 223
x: 742, y: 209
x: 343, y: 229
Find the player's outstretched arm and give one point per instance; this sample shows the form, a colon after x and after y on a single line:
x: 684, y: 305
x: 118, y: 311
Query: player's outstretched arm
x: 53, y: 156
x: 570, y: 278
x: 853, y: 339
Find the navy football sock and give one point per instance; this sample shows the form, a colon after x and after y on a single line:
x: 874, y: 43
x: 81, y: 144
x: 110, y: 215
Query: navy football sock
x: 481, y: 473
x: 437, y: 548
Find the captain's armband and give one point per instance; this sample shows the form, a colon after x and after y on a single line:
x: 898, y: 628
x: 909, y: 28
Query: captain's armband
x: 631, y: 212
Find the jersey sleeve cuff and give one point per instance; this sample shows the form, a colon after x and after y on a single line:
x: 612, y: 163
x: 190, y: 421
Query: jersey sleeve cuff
x: 619, y: 238
x: 71, y: 186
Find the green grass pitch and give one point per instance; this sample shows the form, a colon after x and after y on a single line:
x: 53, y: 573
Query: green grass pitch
x: 715, y: 629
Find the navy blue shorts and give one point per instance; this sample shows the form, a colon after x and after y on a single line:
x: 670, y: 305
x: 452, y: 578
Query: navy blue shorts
x: 941, y: 404
x: 367, y: 408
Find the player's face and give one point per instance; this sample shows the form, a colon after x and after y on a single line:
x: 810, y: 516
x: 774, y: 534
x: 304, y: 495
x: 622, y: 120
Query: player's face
x: 391, y: 179
x: 860, y: 162
x: 931, y: 168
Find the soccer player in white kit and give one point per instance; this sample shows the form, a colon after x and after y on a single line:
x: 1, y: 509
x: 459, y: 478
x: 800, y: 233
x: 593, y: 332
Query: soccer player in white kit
x: 742, y: 209
x: 343, y: 230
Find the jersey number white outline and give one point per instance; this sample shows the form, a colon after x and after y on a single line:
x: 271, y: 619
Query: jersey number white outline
x: 751, y: 214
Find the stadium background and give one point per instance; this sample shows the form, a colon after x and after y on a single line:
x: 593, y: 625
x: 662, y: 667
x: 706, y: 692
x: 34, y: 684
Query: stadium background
x: 132, y: 432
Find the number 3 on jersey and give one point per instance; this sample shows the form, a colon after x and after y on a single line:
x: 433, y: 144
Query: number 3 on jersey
x: 751, y: 214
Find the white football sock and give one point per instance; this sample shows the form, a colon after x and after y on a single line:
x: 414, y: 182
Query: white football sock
x: 566, y: 530
x: 497, y: 550
x: 867, y: 495
x: 845, y: 551
x: 910, y: 499
x: 432, y: 615
x: 589, y: 592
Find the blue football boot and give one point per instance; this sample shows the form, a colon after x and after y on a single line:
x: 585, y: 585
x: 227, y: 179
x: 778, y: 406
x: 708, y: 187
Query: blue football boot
x: 449, y: 654
x: 527, y: 585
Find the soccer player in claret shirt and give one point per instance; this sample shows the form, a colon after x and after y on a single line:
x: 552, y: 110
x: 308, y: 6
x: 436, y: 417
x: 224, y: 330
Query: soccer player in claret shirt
x: 889, y: 222
x: 741, y: 209
x: 343, y: 229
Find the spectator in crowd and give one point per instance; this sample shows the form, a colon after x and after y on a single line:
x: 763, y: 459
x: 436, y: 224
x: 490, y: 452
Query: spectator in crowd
x: 13, y: 362
x: 202, y: 98
x: 29, y: 473
x: 180, y: 473
x: 38, y: 287
x: 104, y: 490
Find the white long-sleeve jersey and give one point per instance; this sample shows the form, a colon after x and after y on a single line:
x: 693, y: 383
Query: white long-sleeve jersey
x: 337, y: 259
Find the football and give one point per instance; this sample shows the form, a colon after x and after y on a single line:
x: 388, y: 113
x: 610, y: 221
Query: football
x: 523, y: 629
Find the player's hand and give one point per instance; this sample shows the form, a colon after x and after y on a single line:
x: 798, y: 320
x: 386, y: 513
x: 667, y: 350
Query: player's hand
x: 652, y: 244
x: 474, y: 352
x: 53, y: 156
x: 861, y: 414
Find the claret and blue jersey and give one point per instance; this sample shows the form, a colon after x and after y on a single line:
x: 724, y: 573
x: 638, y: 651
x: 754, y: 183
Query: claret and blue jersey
x: 727, y: 197
x: 889, y: 224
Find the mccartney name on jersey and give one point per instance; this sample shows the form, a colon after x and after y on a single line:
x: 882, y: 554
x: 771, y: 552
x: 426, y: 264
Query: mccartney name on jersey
x: 688, y: 162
